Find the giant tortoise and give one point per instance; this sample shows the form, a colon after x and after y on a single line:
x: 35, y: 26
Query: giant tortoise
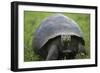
x: 58, y: 37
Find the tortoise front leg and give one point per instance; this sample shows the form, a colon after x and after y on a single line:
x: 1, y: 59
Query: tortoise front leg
x: 52, y: 53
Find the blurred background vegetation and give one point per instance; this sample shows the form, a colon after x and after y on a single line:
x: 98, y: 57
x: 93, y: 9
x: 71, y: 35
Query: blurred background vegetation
x: 32, y: 21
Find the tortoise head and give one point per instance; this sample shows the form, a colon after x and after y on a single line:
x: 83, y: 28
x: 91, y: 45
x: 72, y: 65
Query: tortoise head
x: 72, y: 45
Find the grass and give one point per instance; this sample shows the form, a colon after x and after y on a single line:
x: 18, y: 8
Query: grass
x: 32, y: 21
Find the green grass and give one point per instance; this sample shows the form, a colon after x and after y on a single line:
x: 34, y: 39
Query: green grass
x: 32, y: 21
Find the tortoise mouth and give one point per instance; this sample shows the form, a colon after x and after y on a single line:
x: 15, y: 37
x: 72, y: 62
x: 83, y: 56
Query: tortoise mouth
x: 67, y: 51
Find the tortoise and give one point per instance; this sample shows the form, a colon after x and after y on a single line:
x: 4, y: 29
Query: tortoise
x: 58, y: 37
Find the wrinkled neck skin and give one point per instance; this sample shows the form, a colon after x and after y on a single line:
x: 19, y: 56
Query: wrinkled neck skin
x: 65, y: 43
